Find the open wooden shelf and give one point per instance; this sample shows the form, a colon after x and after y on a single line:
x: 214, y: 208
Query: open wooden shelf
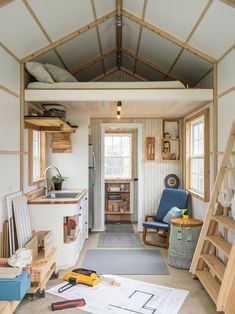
x: 48, y: 124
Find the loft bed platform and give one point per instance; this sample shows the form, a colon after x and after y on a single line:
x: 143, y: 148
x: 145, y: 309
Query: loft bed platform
x: 113, y: 91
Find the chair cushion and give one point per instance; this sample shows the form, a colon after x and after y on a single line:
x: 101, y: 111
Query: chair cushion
x: 174, y: 212
x: 171, y: 198
x: 155, y: 225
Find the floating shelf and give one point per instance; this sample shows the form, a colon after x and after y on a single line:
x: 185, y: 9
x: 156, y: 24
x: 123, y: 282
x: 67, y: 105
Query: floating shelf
x: 48, y: 124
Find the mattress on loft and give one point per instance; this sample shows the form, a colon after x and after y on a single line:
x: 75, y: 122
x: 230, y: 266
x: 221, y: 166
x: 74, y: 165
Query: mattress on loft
x: 107, y: 85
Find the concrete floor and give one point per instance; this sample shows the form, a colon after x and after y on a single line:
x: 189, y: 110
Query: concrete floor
x: 197, y: 302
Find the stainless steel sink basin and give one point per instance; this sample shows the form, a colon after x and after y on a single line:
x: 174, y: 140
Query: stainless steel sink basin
x: 64, y: 195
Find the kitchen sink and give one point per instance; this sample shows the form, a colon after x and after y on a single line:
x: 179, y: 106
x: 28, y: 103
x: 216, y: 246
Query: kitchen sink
x: 64, y: 195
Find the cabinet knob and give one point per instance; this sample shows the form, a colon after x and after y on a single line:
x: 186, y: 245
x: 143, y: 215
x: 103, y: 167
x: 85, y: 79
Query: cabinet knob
x: 86, y: 198
x: 80, y: 214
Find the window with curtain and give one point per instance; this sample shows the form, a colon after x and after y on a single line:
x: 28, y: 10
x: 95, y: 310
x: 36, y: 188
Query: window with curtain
x: 118, y: 156
x: 197, y: 155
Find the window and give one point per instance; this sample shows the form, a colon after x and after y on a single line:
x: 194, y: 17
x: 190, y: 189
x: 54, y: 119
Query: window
x: 36, y: 156
x: 118, y: 156
x: 197, y: 155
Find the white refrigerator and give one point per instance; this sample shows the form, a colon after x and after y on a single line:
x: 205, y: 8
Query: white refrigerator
x: 92, y: 170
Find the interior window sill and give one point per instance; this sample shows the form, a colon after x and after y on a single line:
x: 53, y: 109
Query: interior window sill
x: 196, y: 195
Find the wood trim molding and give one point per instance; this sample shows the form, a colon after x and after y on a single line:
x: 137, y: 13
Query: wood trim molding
x: 93, y: 61
x: 98, y: 34
x: 231, y: 3
x: 22, y: 104
x: 215, y: 120
x: 119, y: 23
x: 208, y: 5
x: 9, y: 152
x: 168, y: 36
x: 5, y: 2
x: 9, y: 52
x: 226, y: 53
x: 36, y: 19
x: 226, y: 92
x: 9, y: 91
x: 69, y: 36
x: 153, y: 66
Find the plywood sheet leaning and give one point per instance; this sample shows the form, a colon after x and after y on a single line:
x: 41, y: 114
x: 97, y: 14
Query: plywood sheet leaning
x: 22, y: 221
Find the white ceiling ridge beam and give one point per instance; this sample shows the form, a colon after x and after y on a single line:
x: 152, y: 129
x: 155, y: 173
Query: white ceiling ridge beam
x: 226, y: 53
x: 140, y: 35
x: 69, y: 36
x: 37, y: 21
x: 168, y: 36
x: 204, y: 75
x: 9, y: 52
x: 98, y: 34
x: 155, y: 67
x: 231, y: 3
x: 198, y: 22
x: 93, y: 61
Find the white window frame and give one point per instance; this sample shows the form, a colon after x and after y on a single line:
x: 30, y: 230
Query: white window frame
x: 130, y: 135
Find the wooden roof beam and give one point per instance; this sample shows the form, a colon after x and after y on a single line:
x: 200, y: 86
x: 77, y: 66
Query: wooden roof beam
x: 93, y: 61
x: 69, y: 36
x: 119, y: 33
x: 229, y: 2
x: 168, y: 36
x: 5, y: 2
x: 154, y: 66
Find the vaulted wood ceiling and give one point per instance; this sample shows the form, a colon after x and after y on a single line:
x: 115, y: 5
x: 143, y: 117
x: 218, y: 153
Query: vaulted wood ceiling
x: 150, y: 39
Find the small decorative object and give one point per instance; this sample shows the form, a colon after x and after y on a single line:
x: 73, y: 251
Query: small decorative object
x: 122, y: 187
x: 173, y: 156
x: 166, y: 135
x: 150, y: 148
x: 166, y: 150
x: 172, y: 181
x: 58, y: 180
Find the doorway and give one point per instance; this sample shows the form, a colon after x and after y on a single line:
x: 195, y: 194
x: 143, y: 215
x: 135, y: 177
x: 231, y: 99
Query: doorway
x: 121, y: 173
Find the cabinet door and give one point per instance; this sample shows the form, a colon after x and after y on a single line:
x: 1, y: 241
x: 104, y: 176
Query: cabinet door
x: 85, y: 211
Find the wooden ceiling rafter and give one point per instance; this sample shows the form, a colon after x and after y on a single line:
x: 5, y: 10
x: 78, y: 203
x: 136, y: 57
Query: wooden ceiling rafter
x: 201, y: 78
x: 168, y: 36
x: 105, y: 75
x: 131, y: 74
x: 98, y: 35
x: 93, y: 61
x: 140, y: 35
x: 36, y: 19
x: 69, y: 36
x: 226, y: 53
x: 9, y: 52
x: 154, y: 66
x: 5, y: 2
x: 231, y: 3
x: 198, y: 22
x: 119, y: 32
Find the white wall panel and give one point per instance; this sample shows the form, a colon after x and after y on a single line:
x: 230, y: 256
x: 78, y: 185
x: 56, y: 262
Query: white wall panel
x: 9, y: 122
x: 226, y: 114
x: 117, y: 76
x: 74, y: 165
x: 191, y: 67
x: 215, y: 34
x: 110, y: 62
x: 127, y: 62
x: 226, y: 69
x: 80, y: 49
x: 49, y: 57
x: 104, y: 6
x: 61, y: 17
x: 207, y: 82
x: 10, y: 71
x: 108, y: 35
x: 135, y: 7
x: 130, y: 34
x: 153, y: 172
x: 90, y: 73
x: 148, y: 73
x: 176, y: 17
x: 161, y: 51
x: 18, y: 30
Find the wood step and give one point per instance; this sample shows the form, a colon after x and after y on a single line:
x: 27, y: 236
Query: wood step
x: 227, y: 169
x: 209, y: 283
x: 220, y: 243
x: 228, y: 222
x: 215, y: 265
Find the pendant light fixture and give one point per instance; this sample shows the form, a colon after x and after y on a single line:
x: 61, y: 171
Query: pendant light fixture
x: 119, y: 107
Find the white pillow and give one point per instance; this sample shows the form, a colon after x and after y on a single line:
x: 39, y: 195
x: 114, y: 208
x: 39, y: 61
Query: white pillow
x: 38, y: 70
x: 59, y: 74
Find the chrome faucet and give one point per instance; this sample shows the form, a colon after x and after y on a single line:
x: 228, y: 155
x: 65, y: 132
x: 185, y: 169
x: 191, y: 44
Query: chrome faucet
x: 46, y: 189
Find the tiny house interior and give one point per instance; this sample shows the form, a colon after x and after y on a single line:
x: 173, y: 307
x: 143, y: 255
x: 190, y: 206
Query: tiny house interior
x: 117, y: 165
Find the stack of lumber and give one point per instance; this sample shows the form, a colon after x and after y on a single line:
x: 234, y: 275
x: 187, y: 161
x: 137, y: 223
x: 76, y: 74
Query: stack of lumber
x: 5, y: 239
x: 61, y: 143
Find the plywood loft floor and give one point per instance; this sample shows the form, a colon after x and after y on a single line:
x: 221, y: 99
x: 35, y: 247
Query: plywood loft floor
x: 198, y: 301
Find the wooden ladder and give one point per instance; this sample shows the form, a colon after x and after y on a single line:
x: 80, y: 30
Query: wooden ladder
x: 214, y: 258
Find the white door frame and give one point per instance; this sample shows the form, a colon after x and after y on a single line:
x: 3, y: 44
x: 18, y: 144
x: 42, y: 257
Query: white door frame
x: 139, y: 127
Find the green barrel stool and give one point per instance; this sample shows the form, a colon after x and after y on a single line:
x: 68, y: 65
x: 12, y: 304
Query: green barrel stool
x: 183, y: 240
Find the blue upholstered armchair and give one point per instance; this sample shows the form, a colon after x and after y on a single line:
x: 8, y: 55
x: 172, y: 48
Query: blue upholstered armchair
x: 170, y: 198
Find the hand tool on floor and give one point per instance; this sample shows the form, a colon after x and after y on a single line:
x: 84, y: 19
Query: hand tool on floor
x: 67, y: 304
x: 80, y: 276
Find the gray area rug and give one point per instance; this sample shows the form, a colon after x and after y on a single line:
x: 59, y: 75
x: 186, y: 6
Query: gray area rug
x: 119, y: 240
x: 125, y: 262
x: 119, y: 228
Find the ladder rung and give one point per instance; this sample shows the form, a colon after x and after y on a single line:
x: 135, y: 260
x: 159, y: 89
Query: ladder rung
x: 220, y: 243
x: 227, y: 169
x: 209, y: 283
x: 228, y: 222
x: 215, y: 265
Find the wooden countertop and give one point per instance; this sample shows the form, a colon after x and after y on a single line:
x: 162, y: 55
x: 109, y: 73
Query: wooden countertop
x: 47, y: 201
x: 191, y: 222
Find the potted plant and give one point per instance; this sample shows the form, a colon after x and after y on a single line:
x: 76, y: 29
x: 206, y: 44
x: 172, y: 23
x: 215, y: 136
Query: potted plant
x: 58, y: 180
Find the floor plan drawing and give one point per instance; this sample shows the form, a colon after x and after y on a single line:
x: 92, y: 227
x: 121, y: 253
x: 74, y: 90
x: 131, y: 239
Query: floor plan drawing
x: 131, y: 297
